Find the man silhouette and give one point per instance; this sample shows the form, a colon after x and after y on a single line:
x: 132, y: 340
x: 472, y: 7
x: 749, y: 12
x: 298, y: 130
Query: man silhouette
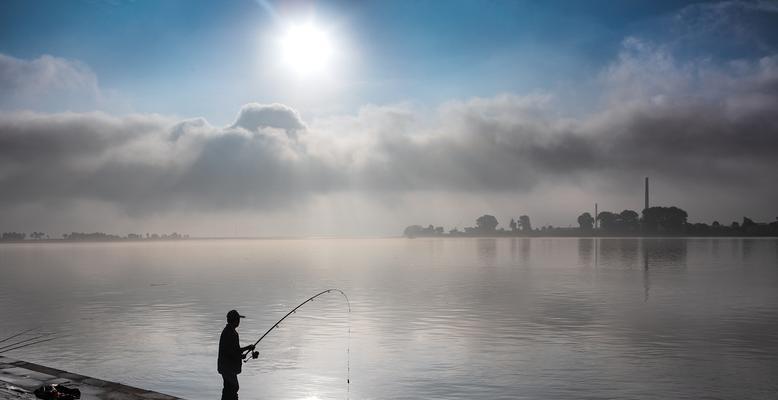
x: 231, y: 356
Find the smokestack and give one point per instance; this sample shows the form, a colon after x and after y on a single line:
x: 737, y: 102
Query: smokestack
x: 595, y: 215
x: 646, y: 194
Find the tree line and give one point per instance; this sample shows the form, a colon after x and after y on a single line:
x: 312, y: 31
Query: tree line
x: 93, y: 236
x: 652, y: 221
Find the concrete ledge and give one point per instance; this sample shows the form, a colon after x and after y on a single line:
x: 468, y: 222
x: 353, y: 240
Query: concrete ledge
x: 18, y: 379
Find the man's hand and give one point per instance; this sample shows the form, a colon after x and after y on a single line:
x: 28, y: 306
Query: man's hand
x: 247, y: 348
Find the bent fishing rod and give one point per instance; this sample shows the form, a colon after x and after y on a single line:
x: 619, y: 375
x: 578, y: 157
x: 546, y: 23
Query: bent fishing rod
x: 255, y: 354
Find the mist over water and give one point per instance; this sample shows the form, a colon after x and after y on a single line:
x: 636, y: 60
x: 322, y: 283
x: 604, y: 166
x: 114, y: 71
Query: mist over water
x: 539, y: 318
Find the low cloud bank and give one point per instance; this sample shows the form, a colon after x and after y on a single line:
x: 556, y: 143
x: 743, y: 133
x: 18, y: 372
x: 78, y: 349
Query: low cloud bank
x: 722, y: 128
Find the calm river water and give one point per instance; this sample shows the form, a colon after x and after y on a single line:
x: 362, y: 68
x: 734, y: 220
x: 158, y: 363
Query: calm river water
x: 431, y: 318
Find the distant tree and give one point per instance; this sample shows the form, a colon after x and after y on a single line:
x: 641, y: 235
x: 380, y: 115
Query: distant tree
x: 676, y: 219
x: 748, y: 226
x: 525, y: 224
x: 13, y: 236
x: 94, y: 236
x: 664, y: 219
x: 586, y: 222
x: 609, y: 222
x: 629, y: 221
x: 486, y: 223
x: 410, y: 231
x: 698, y: 229
x: 513, y: 225
x: 735, y: 226
x: 715, y: 225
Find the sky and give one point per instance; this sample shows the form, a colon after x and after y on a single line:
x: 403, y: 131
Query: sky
x: 264, y: 118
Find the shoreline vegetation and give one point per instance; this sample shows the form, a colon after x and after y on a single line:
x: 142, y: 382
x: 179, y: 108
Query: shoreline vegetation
x: 88, y: 237
x: 654, y: 221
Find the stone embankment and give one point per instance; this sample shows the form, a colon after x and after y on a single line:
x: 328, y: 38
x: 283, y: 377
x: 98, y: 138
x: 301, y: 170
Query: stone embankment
x: 18, y: 379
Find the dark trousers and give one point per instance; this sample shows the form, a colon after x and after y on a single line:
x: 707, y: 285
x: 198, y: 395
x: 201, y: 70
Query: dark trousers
x: 230, y: 391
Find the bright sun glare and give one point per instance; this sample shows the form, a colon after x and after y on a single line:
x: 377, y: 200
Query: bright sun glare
x: 307, y: 49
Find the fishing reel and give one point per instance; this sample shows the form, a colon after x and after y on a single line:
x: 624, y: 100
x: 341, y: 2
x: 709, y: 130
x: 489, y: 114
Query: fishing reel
x: 253, y: 356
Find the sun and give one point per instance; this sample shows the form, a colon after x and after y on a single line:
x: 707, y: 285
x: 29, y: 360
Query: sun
x: 307, y: 50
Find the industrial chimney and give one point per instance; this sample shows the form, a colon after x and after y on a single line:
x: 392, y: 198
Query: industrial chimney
x: 646, y: 194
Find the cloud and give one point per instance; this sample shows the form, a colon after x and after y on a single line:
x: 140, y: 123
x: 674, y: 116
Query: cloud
x: 719, y: 127
x: 720, y: 29
x: 47, y: 83
x: 700, y: 126
x: 149, y: 163
x: 254, y: 116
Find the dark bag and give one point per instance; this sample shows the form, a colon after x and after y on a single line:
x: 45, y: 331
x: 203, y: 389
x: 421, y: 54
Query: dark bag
x: 57, y: 392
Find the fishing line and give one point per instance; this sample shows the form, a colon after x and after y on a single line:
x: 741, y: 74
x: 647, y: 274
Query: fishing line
x: 24, y: 341
x: 18, y: 334
x: 255, y: 354
x: 28, y: 344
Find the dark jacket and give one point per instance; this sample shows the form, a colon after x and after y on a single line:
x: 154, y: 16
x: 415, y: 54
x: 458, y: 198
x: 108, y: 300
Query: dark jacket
x: 230, y: 358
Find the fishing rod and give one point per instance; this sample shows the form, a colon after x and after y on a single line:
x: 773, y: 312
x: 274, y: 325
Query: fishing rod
x: 255, y: 354
x: 294, y: 310
x: 28, y: 344
x: 18, y: 334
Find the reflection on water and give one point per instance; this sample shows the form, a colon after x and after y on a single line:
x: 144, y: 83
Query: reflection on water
x: 431, y: 318
x: 487, y: 251
x: 586, y: 250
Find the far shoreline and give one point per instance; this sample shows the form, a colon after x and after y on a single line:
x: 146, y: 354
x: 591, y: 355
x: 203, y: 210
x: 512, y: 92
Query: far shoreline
x: 271, y: 238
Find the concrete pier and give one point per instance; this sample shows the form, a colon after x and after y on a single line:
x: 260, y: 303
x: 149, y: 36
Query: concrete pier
x: 18, y: 379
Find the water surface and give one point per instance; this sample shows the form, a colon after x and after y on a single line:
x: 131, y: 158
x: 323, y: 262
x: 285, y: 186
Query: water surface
x: 460, y: 318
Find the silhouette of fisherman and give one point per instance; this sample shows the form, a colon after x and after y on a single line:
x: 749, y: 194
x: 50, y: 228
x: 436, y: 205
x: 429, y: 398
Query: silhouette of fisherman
x: 231, y: 356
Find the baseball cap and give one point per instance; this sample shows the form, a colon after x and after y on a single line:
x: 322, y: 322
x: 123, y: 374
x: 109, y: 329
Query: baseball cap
x: 233, y: 314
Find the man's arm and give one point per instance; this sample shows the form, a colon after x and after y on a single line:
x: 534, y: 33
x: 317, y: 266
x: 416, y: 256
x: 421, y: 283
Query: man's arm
x: 249, y: 348
x: 245, y: 351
